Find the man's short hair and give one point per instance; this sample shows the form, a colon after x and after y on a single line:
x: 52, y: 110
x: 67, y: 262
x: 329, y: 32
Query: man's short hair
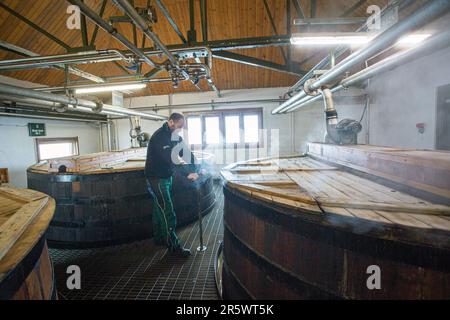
x: 176, y: 116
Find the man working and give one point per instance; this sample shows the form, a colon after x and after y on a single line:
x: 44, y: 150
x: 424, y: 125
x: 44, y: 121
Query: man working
x: 162, y: 153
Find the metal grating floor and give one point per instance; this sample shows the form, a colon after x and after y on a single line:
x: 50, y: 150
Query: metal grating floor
x: 141, y: 270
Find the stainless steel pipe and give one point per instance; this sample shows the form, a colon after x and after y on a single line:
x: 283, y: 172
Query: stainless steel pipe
x: 435, y: 43
x: 425, y: 14
x: 64, y: 100
x: 88, y: 12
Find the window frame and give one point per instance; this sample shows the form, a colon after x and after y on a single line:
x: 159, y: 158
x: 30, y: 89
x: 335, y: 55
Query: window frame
x: 222, y: 114
x: 39, y: 141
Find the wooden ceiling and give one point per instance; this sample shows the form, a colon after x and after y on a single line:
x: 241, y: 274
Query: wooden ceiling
x: 228, y: 19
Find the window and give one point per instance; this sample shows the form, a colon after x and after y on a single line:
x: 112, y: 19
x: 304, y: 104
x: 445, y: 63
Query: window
x: 194, y: 130
x: 212, y: 130
x: 251, y: 128
x: 232, y: 128
x: 50, y: 148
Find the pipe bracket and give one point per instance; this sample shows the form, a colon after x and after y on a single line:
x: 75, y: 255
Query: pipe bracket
x: 308, y: 91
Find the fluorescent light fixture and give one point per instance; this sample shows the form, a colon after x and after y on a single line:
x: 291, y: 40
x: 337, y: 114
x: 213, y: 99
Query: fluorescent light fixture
x: 111, y: 88
x: 349, y: 38
x: 326, y: 39
x: 413, y: 39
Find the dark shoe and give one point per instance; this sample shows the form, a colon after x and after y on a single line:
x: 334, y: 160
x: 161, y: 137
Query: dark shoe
x: 183, y: 252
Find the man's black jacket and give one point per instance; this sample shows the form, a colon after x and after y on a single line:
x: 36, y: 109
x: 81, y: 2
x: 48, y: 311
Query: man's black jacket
x: 159, y: 163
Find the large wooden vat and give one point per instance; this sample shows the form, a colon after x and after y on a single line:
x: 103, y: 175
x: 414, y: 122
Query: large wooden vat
x: 102, y: 199
x: 26, y: 270
x: 299, y: 228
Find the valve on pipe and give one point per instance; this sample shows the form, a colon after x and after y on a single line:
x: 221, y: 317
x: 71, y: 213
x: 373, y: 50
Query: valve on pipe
x: 139, y: 139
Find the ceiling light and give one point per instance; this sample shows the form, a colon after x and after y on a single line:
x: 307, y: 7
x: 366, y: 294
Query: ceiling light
x: 326, y: 39
x: 413, y: 39
x: 349, y: 38
x: 111, y: 88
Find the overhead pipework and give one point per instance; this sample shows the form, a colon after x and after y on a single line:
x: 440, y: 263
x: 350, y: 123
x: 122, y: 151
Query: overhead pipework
x: 428, y: 12
x: 396, y: 6
x: 173, y: 66
x: 139, y: 139
x: 67, y: 102
x: 70, y: 58
x: 438, y: 42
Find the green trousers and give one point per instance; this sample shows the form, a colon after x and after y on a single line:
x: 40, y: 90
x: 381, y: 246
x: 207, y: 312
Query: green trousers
x: 164, y: 217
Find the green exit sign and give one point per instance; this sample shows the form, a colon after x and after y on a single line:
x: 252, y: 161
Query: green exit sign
x: 36, y: 129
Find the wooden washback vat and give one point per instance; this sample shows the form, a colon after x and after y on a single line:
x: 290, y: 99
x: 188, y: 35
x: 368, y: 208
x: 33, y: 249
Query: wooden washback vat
x: 102, y: 199
x: 304, y: 228
x: 26, y: 270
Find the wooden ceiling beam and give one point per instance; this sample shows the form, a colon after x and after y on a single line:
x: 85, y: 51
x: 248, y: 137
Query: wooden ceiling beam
x: 35, y: 26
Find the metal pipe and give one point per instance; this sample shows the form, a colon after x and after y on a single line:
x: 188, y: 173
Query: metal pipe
x: 29, y: 101
x: 435, y: 43
x: 79, y: 58
x: 25, y: 52
x: 129, y: 10
x: 33, y: 116
x: 212, y: 103
x: 101, y: 137
x: 91, y: 57
x: 55, y: 56
x: 108, y: 28
x: 426, y: 13
x: 330, y: 110
x: 423, y: 15
x: 310, y: 99
x: 140, y: 79
x: 108, y: 133
x: 438, y: 42
x: 32, y: 103
x: 331, y: 116
x: 99, y: 107
x: 402, y: 4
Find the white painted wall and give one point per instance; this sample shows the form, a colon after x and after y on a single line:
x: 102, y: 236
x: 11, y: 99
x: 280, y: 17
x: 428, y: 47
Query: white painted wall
x: 402, y: 99
x: 281, y: 123
x: 294, y: 130
x: 310, y: 120
x: 17, y: 149
x: 407, y: 96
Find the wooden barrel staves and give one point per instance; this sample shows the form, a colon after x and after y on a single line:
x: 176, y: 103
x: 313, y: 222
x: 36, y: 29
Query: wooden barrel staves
x: 102, y: 207
x: 26, y: 270
x: 289, y: 235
